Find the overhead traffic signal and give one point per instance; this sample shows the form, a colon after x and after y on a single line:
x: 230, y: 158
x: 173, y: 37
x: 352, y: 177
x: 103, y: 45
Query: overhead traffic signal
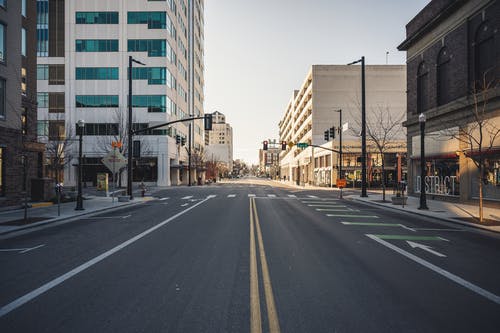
x: 327, y: 137
x: 183, y: 141
x: 208, y: 122
x: 332, y: 132
x: 283, y: 145
x: 264, y: 145
x: 178, y: 139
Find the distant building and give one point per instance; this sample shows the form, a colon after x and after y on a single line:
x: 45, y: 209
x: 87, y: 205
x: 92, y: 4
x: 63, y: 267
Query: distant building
x: 453, y: 50
x: 83, y: 59
x: 21, y: 156
x: 220, y: 141
x: 269, y: 161
x: 312, y: 110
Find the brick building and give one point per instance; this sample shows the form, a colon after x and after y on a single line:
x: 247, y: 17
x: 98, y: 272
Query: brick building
x: 453, y: 53
x: 21, y: 157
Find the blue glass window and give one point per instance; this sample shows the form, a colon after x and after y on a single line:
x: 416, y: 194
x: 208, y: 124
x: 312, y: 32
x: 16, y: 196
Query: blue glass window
x: 154, y: 20
x: 154, y: 75
x: 96, y: 101
x: 154, y: 103
x: 154, y: 47
x: 96, y: 17
x: 2, y: 42
x: 97, y: 73
x: 97, y: 45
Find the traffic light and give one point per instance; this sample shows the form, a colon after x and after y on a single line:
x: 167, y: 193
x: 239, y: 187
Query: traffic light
x: 178, y: 139
x: 283, y: 145
x: 327, y: 137
x: 183, y: 141
x: 208, y: 122
x: 264, y: 145
x: 332, y: 132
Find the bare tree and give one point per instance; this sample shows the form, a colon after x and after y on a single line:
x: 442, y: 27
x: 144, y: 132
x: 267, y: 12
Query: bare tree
x: 383, y: 129
x: 478, y: 132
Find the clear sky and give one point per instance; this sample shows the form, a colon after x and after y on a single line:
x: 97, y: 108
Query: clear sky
x: 257, y: 52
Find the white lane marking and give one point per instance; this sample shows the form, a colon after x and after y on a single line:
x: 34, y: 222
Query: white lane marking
x: 332, y: 210
x: 432, y: 229
x: 324, y: 205
x: 184, y: 205
x: 292, y: 196
x: 211, y: 196
x: 305, y: 201
x: 22, y: 250
x: 312, y: 196
x: 187, y: 197
x: 231, y: 195
x: 348, y: 215
x: 439, y: 270
x: 408, y: 228
x: 271, y: 195
x: 251, y: 195
x: 425, y: 248
x: 161, y: 199
x: 126, y: 216
x: 104, y: 217
x: 57, y: 281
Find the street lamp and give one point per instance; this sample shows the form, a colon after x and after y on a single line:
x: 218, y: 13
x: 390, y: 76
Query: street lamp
x: 363, y: 126
x: 79, y: 198
x: 130, y: 127
x: 340, y: 147
x: 423, y: 202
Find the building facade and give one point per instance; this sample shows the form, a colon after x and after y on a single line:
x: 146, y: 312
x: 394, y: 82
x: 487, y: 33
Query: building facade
x: 453, y: 64
x: 220, y: 141
x: 269, y: 161
x: 83, y: 60
x: 314, y: 108
x: 21, y: 155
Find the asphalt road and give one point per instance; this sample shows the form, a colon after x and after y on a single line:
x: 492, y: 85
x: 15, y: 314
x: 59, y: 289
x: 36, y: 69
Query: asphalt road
x: 251, y: 258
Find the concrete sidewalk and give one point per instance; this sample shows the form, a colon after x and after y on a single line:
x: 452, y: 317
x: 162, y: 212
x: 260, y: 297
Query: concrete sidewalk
x: 41, y: 214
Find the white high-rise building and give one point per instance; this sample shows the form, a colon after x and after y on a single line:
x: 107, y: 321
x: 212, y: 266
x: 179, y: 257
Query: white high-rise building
x: 83, y: 58
x: 220, y: 141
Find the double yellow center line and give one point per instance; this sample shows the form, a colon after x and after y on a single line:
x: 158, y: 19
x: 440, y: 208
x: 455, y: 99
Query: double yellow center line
x: 255, y: 316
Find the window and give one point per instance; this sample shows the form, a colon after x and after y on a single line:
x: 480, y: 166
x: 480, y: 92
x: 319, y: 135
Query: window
x: 96, y: 101
x: 56, y: 74
x: 42, y: 72
x: 23, y: 42
x: 56, y: 102
x: 2, y: 168
x: 154, y: 75
x: 154, y: 47
x: 97, y: 73
x: 154, y: 20
x: 2, y: 42
x: 422, y: 88
x: 42, y: 127
x: 96, y: 17
x: 42, y: 99
x: 3, y: 87
x: 443, y: 77
x: 154, y: 103
x: 23, y: 8
x: 42, y: 31
x: 484, y: 56
x: 100, y: 129
x: 2, y: 3
x: 97, y: 45
x: 57, y: 130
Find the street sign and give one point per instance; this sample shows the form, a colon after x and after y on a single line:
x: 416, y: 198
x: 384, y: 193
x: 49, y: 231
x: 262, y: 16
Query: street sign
x: 114, y: 161
x: 302, y: 144
x: 341, y: 182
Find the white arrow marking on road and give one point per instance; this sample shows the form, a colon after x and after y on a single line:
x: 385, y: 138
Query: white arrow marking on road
x: 188, y: 197
x: 425, y: 248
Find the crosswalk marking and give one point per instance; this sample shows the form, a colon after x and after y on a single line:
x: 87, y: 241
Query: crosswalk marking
x: 251, y: 195
x: 334, y: 210
x: 347, y: 215
x: 161, y: 199
x: 313, y: 196
x: 187, y: 197
x: 292, y: 196
x: 271, y: 195
x: 231, y: 195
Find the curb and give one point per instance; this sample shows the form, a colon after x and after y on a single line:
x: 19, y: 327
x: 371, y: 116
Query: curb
x: 445, y: 219
x: 69, y: 218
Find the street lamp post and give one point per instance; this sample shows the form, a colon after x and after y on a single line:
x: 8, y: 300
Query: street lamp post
x: 79, y: 198
x: 340, y: 146
x: 363, y: 126
x: 130, y: 127
x: 423, y: 201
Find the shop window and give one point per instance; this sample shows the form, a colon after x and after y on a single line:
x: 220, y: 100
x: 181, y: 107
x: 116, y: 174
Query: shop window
x: 422, y: 88
x: 443, y: 77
